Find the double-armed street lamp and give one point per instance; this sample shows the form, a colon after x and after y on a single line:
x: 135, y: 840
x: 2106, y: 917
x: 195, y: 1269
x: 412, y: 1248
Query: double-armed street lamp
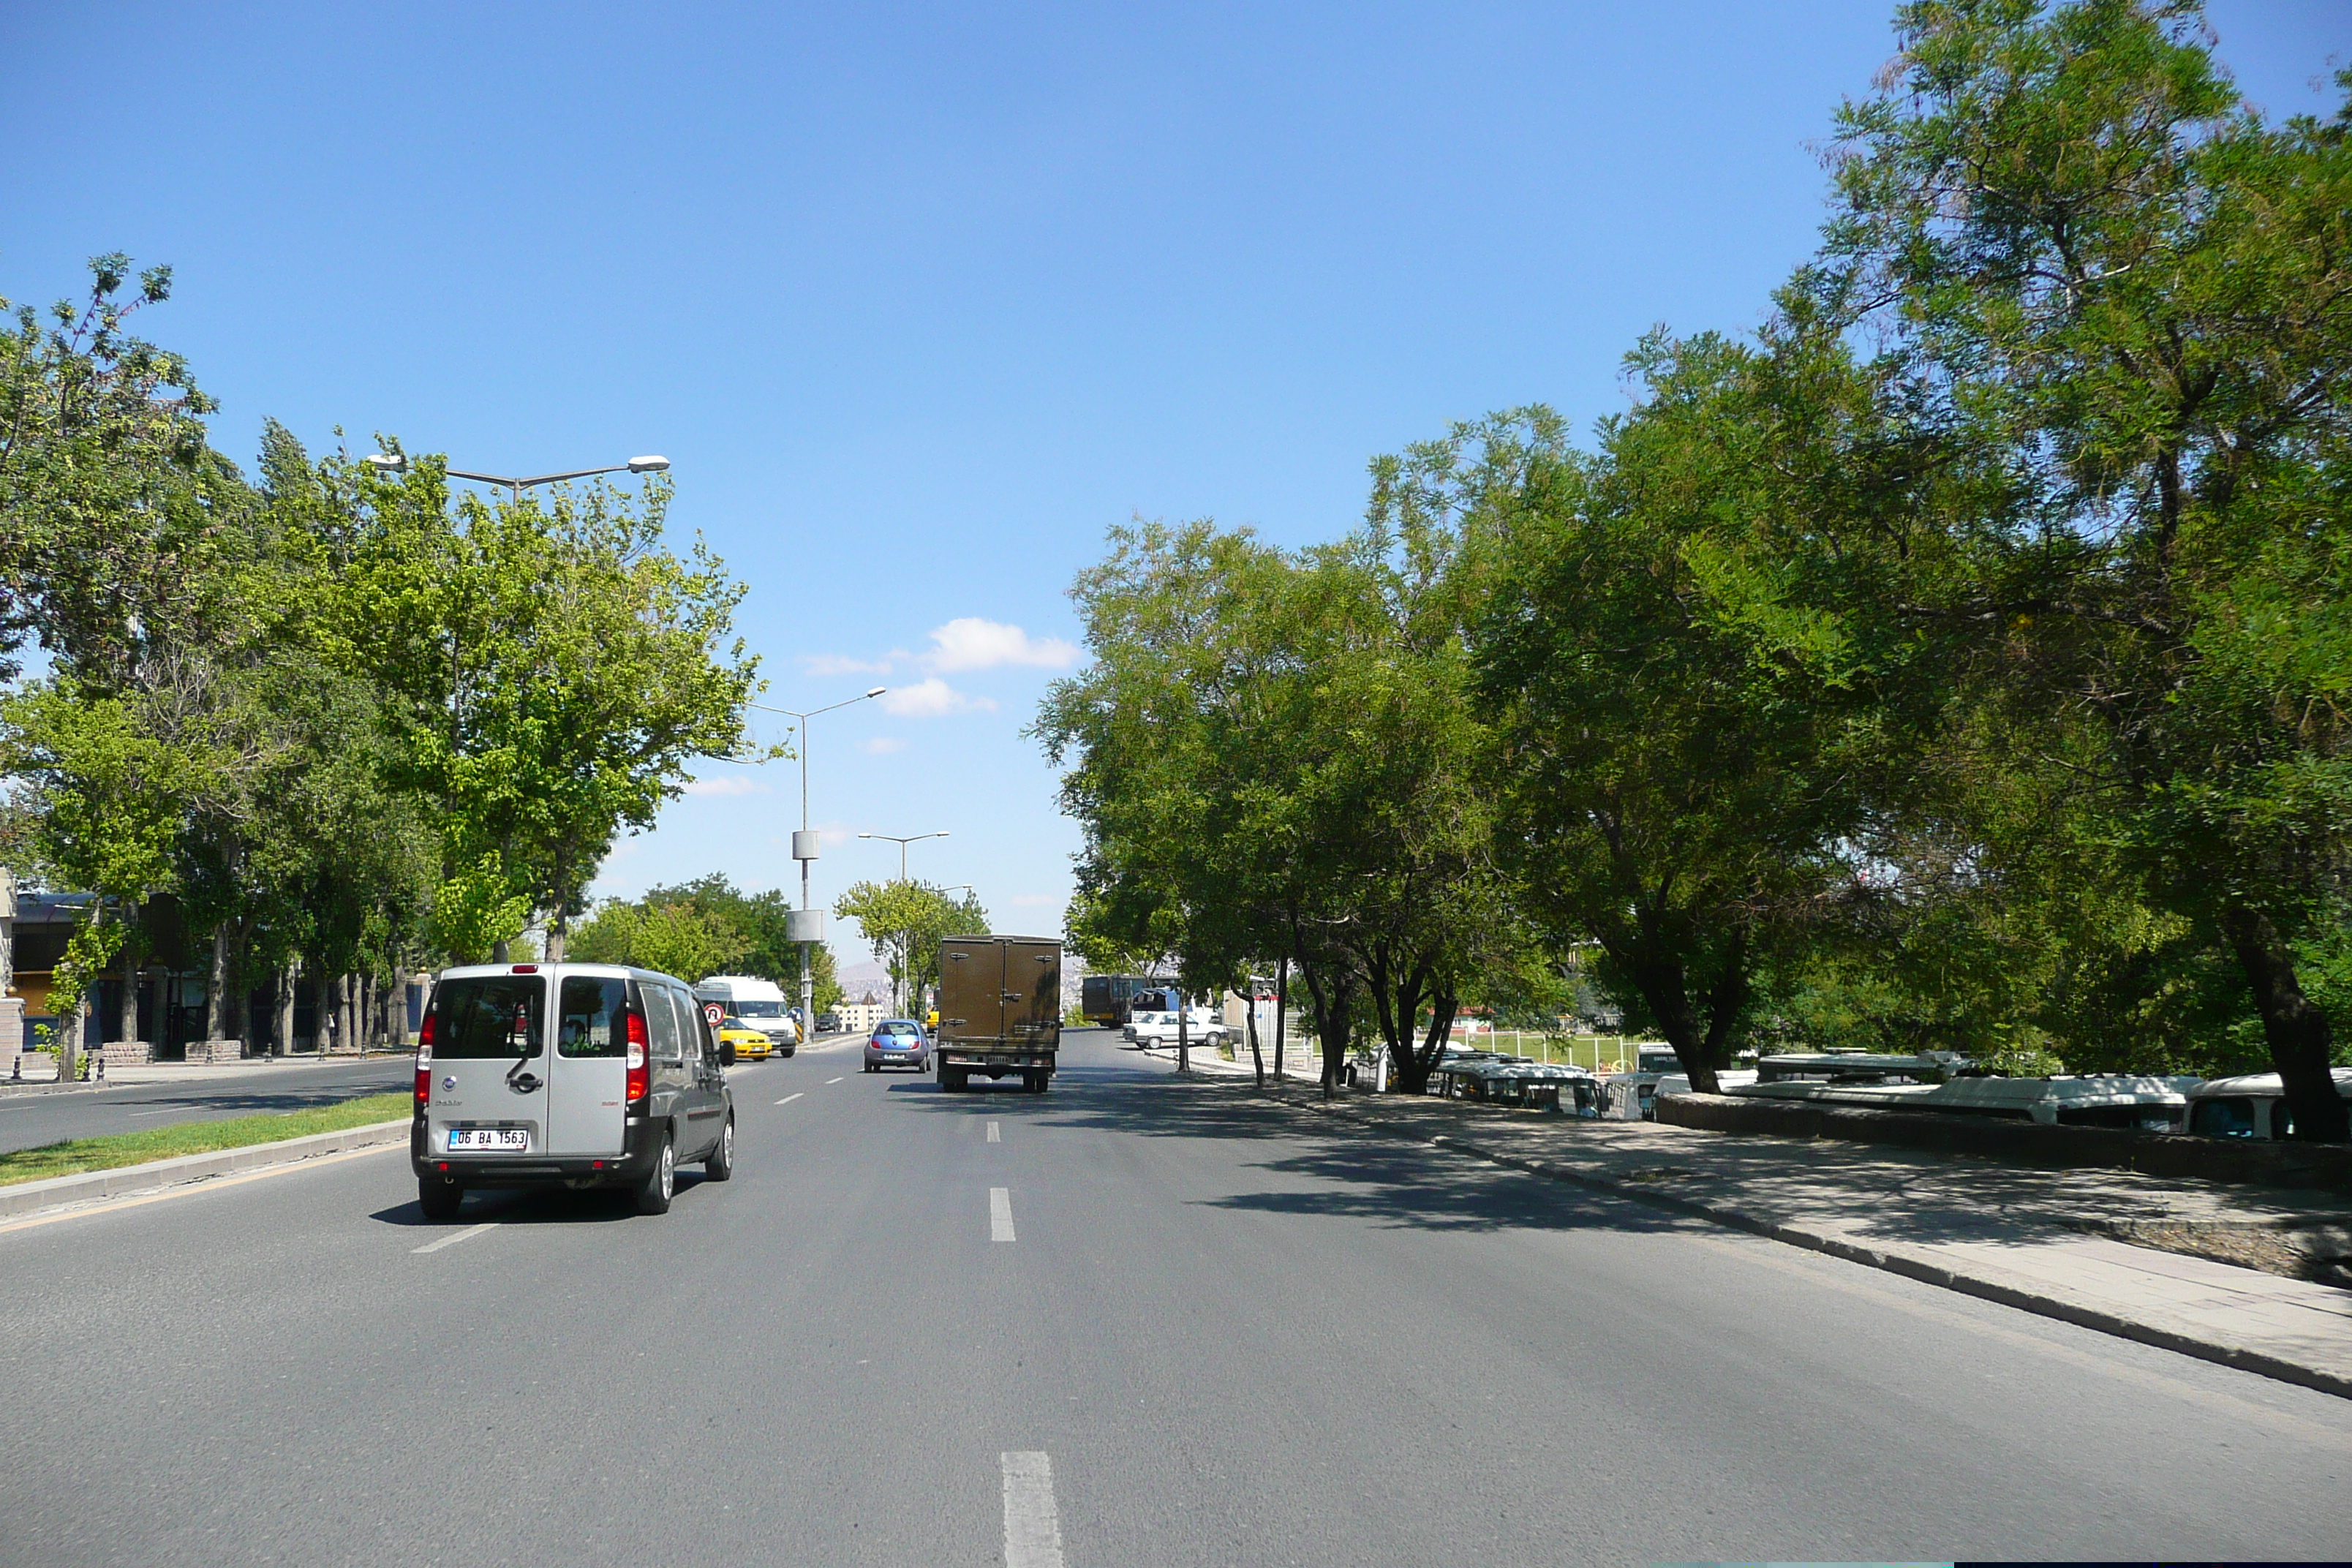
x: 397, y: 463
x: 902, y: 843
x: 806, y: 924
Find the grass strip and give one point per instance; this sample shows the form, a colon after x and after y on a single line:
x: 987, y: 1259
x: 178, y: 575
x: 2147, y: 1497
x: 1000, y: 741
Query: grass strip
x: 76, y: 1155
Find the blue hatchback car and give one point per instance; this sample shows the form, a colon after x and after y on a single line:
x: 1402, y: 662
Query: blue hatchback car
x: 898, y: 1042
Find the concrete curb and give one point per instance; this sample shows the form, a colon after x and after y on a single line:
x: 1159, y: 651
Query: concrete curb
x: 18, y: 1090
x: 1891, y: 1262
x: 90, y: 1186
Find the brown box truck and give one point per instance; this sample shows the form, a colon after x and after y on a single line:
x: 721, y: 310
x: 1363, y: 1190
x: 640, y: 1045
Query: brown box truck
x: 1000, y: 1010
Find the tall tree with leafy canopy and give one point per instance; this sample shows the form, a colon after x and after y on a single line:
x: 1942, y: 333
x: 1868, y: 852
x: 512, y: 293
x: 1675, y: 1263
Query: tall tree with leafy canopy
x: 554, y: 670
x: 2089, y: 258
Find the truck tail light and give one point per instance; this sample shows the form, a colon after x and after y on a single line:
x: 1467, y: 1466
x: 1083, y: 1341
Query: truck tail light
x: 425, y: 1063
x: 639, y: 1084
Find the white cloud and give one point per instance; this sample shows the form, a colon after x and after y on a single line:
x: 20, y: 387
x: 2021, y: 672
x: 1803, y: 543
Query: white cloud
x: 931, y: 699
x: 841, y: 664
x: 734, y: 784
x: 971, y: 643
x: 1038, y: 900
x: 882, y: 746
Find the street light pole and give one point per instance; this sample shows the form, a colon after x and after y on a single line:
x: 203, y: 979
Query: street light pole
x: 902, y: 843
x: 804, y: 850
x: 397, y: 463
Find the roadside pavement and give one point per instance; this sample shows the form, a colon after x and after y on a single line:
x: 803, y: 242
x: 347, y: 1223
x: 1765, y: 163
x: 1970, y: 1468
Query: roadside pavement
x: 2049, y: 1242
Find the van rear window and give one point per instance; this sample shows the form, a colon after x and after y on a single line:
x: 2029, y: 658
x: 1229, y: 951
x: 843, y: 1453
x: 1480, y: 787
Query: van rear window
x: 592, y: 1020
x: 488, y: 1016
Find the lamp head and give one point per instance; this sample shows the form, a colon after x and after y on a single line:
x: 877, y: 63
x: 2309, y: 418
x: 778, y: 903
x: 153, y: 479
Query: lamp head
x: 648, y: 465
x: 388, y: 462
x: 877, y: 691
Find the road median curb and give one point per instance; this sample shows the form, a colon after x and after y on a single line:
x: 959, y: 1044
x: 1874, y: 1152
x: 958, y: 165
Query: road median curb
x: 1891, y: 1260
x: 91, y: 1186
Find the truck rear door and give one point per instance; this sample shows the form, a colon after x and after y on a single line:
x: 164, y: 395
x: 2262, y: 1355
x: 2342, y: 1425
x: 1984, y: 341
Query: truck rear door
x: 971, y: 988
x: 1032, y: 993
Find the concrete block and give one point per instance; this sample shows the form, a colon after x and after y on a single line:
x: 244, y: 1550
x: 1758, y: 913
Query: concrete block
x: 216, y: 1051
x: 126, y: 1053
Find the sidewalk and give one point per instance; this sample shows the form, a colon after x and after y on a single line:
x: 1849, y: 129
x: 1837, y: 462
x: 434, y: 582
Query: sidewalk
x: 2045, y: 1241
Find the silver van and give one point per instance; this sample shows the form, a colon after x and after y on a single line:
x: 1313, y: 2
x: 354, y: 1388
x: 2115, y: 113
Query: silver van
x: 574, y: 1075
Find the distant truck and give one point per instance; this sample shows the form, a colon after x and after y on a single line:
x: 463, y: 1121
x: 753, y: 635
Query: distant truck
x: 1000, y: 1010
x: 1109, y: 999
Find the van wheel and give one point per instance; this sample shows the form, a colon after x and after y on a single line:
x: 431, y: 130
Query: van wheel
x: 661, y: 1182
x: 1037, y: 1081
x: 722, y: 1163
x: 439, y: 1200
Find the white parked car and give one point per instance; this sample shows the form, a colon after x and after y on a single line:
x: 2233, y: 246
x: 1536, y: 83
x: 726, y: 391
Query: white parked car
x: 1149, y: 1027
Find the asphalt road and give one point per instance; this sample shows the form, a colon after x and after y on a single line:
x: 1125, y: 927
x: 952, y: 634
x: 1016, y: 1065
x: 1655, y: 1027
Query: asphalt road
x: 27, y: 1120
x: 1236, y: 1334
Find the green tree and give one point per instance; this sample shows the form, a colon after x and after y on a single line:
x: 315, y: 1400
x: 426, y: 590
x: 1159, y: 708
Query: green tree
x: 904, y: 923
x: 761, y: 918
x: 553, y: 669
x: 674, y: 938
x: 2089, y: 258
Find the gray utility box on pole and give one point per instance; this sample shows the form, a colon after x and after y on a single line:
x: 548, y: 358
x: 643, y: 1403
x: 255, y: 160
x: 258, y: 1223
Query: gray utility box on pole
x: 803, y: 925
x: 1000, y: 1010
x: 804, y: 842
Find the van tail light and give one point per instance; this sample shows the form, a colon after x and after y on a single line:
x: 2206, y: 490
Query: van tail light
x: 639, y: 1084
x: 425, y: 1063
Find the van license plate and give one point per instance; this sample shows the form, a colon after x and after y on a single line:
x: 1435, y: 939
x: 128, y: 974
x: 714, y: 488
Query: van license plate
x: 500, y: 1139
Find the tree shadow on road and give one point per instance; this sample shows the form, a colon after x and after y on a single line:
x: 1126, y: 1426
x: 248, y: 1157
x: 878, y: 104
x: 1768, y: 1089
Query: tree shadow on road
x: 1320, y: 1165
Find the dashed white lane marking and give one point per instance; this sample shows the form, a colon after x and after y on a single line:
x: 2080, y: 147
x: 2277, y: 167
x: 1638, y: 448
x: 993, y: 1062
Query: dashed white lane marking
x: 454, y: 1238
x: 999, y: 1213
x: 831, y: 1081
x: 1033, y: 1529
x: 993, y: 1135
x: 790, y: 1098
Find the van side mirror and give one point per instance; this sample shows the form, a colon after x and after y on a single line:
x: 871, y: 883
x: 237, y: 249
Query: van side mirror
x: 727, y: 1053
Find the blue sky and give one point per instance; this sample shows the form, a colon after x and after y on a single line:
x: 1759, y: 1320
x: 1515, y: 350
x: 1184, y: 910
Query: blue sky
x: 919, y: 300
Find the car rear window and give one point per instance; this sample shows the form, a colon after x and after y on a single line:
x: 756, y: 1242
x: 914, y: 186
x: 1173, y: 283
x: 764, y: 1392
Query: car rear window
x: 899, y: 1029
x: 488, y: 1016
x: 594, y: 1008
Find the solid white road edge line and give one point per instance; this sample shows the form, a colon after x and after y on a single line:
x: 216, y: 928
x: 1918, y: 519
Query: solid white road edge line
x: 790, y: 1098
x: 993, y: 1135
x: 1032, y: 1527
x: 453, y: 1240
x: 999, y: 1214
x: 207, y: 1184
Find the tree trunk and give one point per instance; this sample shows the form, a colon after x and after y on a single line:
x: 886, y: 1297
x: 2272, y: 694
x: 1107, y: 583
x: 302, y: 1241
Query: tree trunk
x: 1281, y: 1014
x: 1184, y: 1031
x: 69, y: 1041
x: 499, y: 951
x: 1412, y: 1074
x: 1332, y: 1023
x: 216, y: 986
x: 322, y: 1011
x: 2297, y: 1032
x: 347, y: 1022
x: 1257, y: 1056
x: 281, y: 1043
x: 558, y: 929
x: 129, y: 1012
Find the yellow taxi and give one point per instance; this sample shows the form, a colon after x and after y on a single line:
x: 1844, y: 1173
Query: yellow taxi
x: 751, y: 1045
x: 931, y: 1019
